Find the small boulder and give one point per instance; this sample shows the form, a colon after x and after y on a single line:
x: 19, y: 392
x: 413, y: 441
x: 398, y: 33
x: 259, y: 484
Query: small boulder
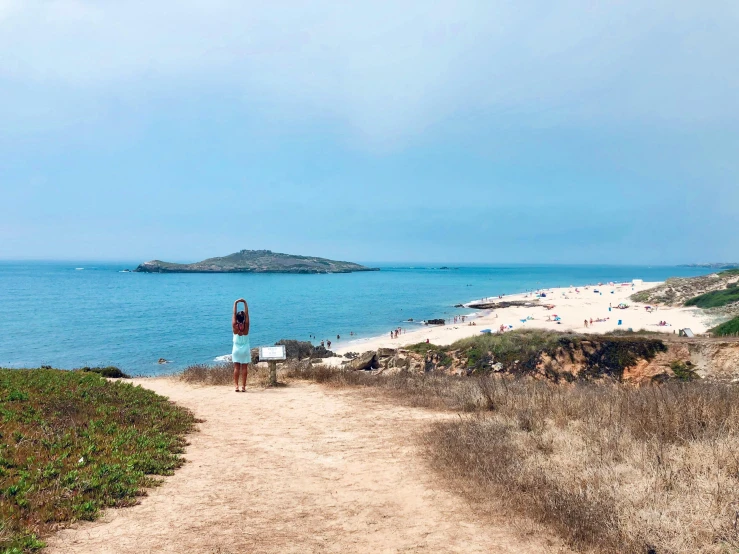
x: 367, y: 360
x: 385, y: 352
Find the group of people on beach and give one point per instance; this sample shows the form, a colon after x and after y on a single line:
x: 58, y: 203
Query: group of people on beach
x: 395, y: 333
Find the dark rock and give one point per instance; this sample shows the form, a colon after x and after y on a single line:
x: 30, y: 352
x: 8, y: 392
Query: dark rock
x: 499, y: 305
x: 255, y: 355
x: 321, y: 352
x: 296, y: 349
x: 385, y: 352
x: 300, y: 350
x: 435, y: 322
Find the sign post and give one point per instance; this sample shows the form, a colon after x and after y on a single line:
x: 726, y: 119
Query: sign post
x: 272, y: 355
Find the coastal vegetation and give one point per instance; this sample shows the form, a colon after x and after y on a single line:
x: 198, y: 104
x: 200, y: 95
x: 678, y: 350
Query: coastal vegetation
x: 255, y: 261
x: 73, y: 443
x: 716, y: 298
x: 611, y: 468
x: 727, y: 329
x: 546, y: 353
x: 717, y: 290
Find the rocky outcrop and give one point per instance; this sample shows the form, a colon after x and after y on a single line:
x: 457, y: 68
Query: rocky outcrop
x: 435, y: 322
x: 255, y: 261
x: 299, y: 350
x: 365, y: 361
x: 565, y: 357
x: 499, y: 305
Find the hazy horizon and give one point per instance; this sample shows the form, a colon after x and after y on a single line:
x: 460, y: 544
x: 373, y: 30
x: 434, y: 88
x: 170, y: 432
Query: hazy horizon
x: 463, y: 132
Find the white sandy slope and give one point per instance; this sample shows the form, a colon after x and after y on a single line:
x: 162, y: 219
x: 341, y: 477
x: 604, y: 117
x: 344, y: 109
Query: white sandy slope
x: 571, y: 306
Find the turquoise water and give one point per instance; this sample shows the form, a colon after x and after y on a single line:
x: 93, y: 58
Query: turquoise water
x: 52, y: 313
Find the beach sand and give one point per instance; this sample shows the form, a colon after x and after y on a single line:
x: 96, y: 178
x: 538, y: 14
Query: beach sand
x: 571, y: 306
x: 299, y: 469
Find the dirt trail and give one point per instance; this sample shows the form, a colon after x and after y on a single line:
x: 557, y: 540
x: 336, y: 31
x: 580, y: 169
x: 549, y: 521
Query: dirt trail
x: 295, y: 469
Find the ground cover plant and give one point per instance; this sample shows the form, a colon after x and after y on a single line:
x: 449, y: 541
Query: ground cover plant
x: 727, y: 329
x: 716, y: 298
x: 611, y: 468
x: 72, y: 443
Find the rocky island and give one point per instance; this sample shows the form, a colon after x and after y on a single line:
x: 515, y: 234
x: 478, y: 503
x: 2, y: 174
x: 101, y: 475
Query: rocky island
x: 255, y: 261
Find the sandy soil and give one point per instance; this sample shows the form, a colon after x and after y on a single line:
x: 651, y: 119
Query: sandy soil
x: 572, y: 304
x: 297, y: 469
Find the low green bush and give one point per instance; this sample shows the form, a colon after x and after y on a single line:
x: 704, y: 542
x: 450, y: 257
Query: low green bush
x: 729, y: 328
x: 73, y: 443
x: 715, y: 299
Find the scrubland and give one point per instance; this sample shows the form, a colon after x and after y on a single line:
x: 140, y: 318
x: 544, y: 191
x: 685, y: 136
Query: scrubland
x: 607, y: 466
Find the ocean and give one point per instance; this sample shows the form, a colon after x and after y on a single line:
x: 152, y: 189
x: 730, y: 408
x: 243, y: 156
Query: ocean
x: 74, y: 314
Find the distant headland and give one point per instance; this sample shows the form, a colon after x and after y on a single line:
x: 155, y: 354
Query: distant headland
x: 714, y: 265
x: 256, y: 261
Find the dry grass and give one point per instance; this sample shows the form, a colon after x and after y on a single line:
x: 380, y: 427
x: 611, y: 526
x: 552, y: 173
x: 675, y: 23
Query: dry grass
x: 610, y: 468
x: 221, y: 374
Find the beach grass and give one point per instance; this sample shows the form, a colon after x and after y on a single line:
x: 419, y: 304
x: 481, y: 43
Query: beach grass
x: 609, y: 467
x: 73, y: 443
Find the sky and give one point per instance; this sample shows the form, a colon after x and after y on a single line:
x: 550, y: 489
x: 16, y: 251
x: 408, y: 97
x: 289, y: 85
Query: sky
x: 482, y: 132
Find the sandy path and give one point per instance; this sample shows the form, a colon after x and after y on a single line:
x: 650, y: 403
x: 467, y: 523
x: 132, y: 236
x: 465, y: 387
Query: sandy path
x: 296, y: 469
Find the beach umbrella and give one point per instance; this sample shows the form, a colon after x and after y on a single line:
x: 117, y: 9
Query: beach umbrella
x: 486, y: 331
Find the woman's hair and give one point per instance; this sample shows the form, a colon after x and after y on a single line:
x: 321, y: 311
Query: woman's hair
x: 240, y: 317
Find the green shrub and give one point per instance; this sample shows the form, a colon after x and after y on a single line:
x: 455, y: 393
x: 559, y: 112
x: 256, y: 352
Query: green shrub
x: 729, y: 328
x: 683, y: 370
x: 715, y: 298
x: 109, y: 371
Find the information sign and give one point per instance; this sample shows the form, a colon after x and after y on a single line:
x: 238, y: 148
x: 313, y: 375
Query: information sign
x: 269, y: 353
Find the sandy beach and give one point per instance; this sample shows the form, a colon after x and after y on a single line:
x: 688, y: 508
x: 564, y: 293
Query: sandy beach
x: 573, y: 305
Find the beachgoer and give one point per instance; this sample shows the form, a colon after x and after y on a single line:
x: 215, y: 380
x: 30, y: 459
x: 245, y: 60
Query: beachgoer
x: 586, y: 323
x: 328, y: 344
x: 427, y: 341
x: 338, y: 337
x: 322, y: 344
x: 241, y: 352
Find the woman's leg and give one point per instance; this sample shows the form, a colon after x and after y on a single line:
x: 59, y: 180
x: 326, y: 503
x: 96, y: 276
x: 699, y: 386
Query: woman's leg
x: 237, y: 369
x: 245, y: 374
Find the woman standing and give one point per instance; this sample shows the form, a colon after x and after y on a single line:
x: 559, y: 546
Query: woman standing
x: 241, y: 353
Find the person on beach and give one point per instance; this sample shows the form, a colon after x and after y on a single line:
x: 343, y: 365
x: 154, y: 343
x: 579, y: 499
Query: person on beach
x: 241, y: 353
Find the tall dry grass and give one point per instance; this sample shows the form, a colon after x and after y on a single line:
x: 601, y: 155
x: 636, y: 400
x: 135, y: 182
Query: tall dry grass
x: 221, y: 374
x: 610, y: 468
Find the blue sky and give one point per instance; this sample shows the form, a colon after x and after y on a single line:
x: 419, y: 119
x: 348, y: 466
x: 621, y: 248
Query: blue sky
x: 567, y: 132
